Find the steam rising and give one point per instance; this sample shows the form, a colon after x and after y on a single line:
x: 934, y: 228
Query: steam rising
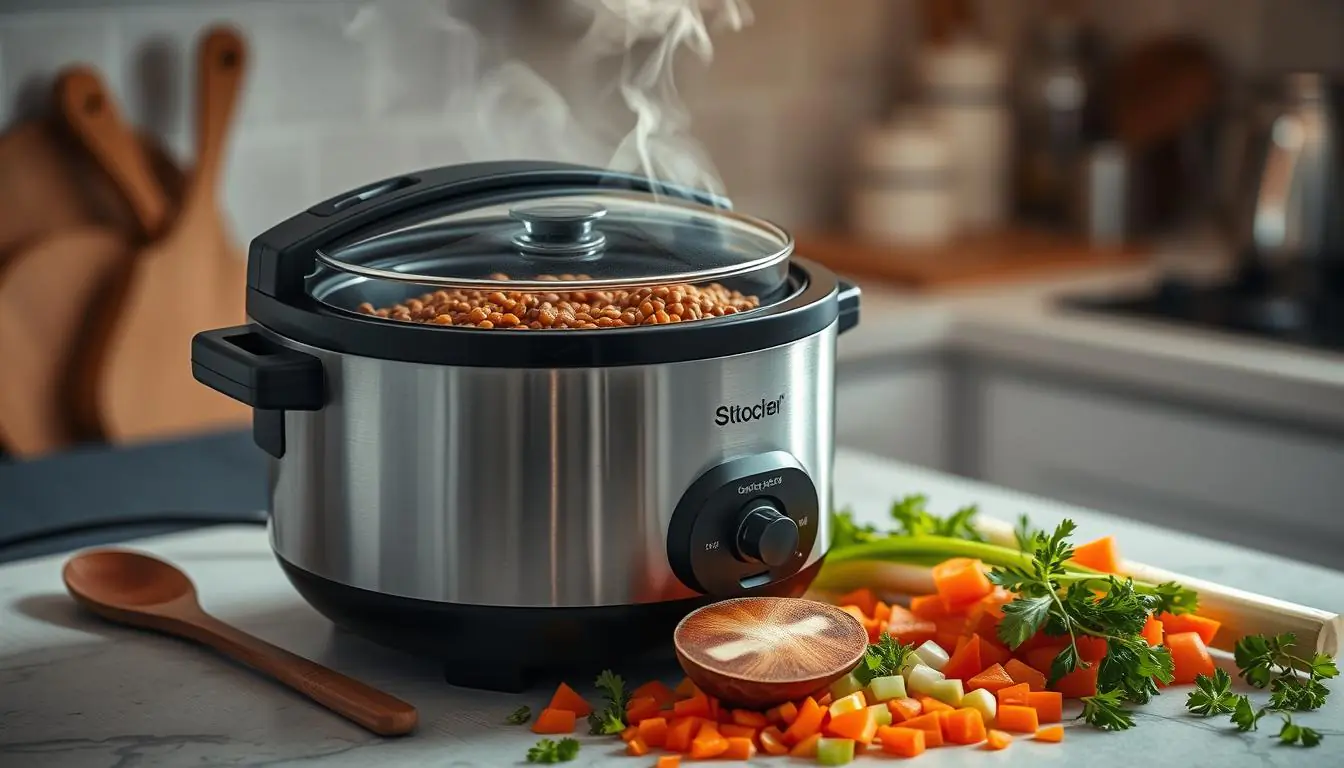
x: 504, y: 109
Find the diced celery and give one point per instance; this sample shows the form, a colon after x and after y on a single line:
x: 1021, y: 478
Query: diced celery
x: 886, y: 688
x: 922, y: 679
x: 845, y: 686
x: 851, y: 703
x: 984, y: 701
x: 947, y: 691
x: 881, y: 714
x: 909, y: 663
x: 932, y: 654
x: 835, y: 751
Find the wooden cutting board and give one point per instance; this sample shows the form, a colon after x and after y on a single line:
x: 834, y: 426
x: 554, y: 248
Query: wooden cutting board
x: 139, y: 384
x: 48, y: 288
x: 1013, y: 254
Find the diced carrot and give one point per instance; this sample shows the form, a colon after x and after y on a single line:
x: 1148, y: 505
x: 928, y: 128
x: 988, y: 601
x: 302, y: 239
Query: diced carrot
x: 714, y: 708
x: 1099, y: 555
x: 749, y: 718
x: 881, y: 611
x: 554, y: 721
x: 1040, y: 659
x: 904, y: 709
x: 739, y: 749
x: 965, y: 662
x: 1079, y: 683
x: 641, y: 709
x: 997, y: 740
x: 824, y: 700
x: 681, y: 733
x: 1188, y: 622
x: 1189, y: 656
x: 901, y: 741
x: 1049, y: 705
x: 932, y: 727
x: 1091, y: 649
x: 653, y: 731
x: 735, y: 731
x: 656, y: 690
x: 1021, y: 673
x: 860, y: 726
x: 772, y: 714
x: 1013, y: 694
x: 1012, y: 717
x: 685, y: 689
x: 929, y: 704
x: 964, y: 726
x: 808, y: 722
x: 630, y: 733
x: 947, y: 640
x: 993, y: 679
x: 772, y: 741
x: 992, y: 651
x: 787, y: 712
x: 930, y: 607
x: 636, y: 747
x: 855, y: 611
x: 909, y: 628
x: 862, y: 597
x: 1152, y: 631
x: 993, y: 602
x: 1053, y: 735
x: 696, y: 706
x: 961, y: 580
x: 669, y: 761
x: 568, y: 699
x: 807, y: 747
x: 708, y: 742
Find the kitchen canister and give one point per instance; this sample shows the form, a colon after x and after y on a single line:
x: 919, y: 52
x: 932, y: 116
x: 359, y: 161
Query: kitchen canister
x: 904, y: 194
x: 964, y: 88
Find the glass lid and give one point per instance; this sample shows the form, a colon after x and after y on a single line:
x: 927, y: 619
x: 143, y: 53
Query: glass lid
x: 585, y: 241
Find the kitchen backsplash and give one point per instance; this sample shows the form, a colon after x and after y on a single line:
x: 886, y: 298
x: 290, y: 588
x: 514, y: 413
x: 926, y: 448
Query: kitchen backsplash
x: 778, y: 108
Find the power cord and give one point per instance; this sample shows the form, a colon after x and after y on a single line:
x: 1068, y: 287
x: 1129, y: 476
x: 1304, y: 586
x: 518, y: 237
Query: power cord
x: 194, y: 520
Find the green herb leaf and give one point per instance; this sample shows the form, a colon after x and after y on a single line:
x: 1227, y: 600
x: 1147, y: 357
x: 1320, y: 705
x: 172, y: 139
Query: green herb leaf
x: 1245, y: 716
x: 1212, y: 695
x: 882, y: 658
x: 1023, y: 617
x: 519, y: 716
x: 845, y: 532
x: 611, y: 718
x: 1255, y: 657
x: 1106, y: 711
x: 1294, y: 682
x: 1025, y: 534
x: 1290, y: 692
x: 549, y: 751
x: 914, y: 519
x: 1133, y: 667
x: 1292, y: 733
x: 1065, y: 662
x: 1323, y: 666
x: 1175, y: 599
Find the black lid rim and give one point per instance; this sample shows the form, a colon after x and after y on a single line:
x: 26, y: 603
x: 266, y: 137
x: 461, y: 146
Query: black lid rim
x: 809, y: 310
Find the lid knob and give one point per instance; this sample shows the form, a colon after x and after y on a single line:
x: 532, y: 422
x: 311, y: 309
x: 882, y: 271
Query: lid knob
x: 559, y: 229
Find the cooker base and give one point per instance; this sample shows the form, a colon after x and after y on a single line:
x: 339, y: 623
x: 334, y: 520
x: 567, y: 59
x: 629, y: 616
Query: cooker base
x: 513, y: 649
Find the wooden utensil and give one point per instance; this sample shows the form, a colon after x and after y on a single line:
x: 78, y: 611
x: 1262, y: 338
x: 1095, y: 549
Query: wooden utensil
x: 138, y: 383
x: 757, y: 652
x: 142, y: 591
x: 1013, y: 254
x: 47, y: 291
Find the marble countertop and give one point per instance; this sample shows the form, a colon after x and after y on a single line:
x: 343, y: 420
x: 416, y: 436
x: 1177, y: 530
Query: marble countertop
x: 1023, y: 322
x: 76, y: 692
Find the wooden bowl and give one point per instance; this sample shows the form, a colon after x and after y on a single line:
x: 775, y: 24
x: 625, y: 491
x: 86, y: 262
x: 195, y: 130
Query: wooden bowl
x: 757, y: 652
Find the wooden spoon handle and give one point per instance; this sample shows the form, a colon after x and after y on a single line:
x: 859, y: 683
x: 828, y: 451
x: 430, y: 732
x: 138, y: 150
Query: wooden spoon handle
x: 91, y: 111
x: 221, y: 67
x: 369, y: 707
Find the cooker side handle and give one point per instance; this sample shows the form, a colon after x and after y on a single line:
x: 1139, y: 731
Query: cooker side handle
x: 254, y: 370
x: 848, y: 299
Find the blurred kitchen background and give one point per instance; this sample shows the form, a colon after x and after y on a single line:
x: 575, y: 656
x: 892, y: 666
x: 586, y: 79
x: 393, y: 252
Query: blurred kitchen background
x: 1080, y: 280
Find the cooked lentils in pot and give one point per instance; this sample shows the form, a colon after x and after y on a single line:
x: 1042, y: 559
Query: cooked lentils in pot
x: 524, y: 310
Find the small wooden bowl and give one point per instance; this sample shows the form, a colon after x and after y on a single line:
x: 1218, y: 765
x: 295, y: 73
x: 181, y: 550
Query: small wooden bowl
x: 757, y: 652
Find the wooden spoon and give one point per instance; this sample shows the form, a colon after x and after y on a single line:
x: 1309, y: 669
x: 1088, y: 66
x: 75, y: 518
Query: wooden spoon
x: 47, y: 291
x: 757, y: 652
x: 143, y: 591
x: 139, y: 384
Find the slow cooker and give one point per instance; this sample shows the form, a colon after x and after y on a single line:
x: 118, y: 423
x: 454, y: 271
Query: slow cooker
x: 525, y: 416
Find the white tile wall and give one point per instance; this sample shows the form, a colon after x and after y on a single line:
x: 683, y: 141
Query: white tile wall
x: 331, y: 103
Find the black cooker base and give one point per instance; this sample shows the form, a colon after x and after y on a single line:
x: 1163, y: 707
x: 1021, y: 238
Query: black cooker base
x: 514, y: 649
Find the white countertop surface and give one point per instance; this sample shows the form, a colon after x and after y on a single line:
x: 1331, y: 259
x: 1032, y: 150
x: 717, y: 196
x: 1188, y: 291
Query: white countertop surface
x: 76, y: 692
x: 1022, y: 322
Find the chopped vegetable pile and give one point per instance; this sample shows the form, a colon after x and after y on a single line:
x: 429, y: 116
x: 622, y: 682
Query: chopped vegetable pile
x: 1005, y: 637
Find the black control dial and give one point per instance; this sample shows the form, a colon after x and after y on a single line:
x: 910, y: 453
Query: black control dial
x: 766, y: 534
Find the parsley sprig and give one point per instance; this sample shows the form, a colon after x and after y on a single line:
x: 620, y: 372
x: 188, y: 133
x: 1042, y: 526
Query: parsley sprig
x: 1292, y: 733
x: 549, y: 751
x: 912, y: 518
x: 1213, y: 695
x: 882, y: 658
x: 519, y: 716
x: 611, y: 718
x: 1068, y: 603
x: 1294, y: 682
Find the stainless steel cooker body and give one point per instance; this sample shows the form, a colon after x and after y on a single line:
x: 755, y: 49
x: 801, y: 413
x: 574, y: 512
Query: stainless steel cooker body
x: 534, y: 487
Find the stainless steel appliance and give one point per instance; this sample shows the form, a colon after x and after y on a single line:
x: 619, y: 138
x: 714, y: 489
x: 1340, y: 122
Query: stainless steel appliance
x: 511, y: 498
